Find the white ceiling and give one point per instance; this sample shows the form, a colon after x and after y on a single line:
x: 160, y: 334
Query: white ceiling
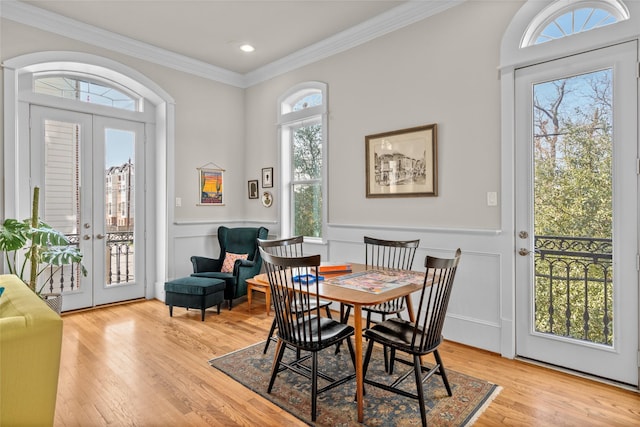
x: 212, y: 30
x: 203, y: 36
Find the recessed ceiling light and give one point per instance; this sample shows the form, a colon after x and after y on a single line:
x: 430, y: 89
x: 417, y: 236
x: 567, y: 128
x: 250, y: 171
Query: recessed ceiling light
x: 247, y: 48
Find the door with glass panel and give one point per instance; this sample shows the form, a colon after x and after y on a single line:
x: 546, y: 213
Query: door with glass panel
x: 577, y: 213
x: 86, y: 167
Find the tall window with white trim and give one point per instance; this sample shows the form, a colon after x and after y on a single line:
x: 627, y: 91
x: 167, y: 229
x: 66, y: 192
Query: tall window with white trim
x: 302, y: 122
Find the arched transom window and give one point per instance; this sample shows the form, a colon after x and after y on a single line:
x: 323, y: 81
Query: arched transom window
x: 81, y: 88
x: 562, y: 19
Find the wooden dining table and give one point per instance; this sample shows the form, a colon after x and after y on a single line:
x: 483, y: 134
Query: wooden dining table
x: 331, y: 289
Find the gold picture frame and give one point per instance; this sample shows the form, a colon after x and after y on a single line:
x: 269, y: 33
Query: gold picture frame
x: 211, y: 187
x: 402, y: 163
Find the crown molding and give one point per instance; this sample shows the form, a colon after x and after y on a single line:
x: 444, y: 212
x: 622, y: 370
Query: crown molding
x: 392, y: 20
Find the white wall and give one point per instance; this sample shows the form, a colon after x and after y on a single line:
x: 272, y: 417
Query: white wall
x: 441, y: 70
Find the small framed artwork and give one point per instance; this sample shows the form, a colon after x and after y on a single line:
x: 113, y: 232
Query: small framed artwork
x: 211, y: 187
x: 253, y: 189
x: 402, y: 163
x: 267, y: 177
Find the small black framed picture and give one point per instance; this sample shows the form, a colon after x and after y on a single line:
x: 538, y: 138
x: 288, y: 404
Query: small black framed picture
x: 267, y: 177
x: 253, y: 189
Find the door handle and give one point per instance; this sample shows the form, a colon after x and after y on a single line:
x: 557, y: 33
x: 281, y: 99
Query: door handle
x: 524, y: 252
x: 100, y: 236
x: 86, y: 237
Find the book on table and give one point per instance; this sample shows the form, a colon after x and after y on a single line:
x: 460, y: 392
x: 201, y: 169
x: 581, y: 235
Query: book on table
x: 334, y: 267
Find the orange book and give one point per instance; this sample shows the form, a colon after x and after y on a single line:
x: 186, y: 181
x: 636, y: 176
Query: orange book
x: 327, y: 268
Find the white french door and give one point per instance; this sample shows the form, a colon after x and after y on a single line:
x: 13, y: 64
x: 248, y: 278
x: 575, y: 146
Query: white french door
x: 86, y: 166
x: 577, y: 212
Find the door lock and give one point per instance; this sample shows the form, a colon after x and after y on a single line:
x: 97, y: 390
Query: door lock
x: 86, y: 237
x: 523, y: 234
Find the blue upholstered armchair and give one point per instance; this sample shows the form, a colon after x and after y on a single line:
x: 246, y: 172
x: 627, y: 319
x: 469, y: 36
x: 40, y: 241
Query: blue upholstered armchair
x: 239, y: 260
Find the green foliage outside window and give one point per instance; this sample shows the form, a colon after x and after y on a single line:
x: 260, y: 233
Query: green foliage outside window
x: 573, y: 198
x: 307, y: 180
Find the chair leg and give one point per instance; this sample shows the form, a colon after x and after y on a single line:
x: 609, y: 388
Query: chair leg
x: 392, y: 358
x: 230, y: 303
x: 417, y: 368
x: 203, y: 306
x: 365, y: 365
x: 328, y: 312
x: 442, y: 372
x: 314, y: 384
x: 219, y: 304
x: 170, y: 311
x: 276, y: 364
x: 271, y: 331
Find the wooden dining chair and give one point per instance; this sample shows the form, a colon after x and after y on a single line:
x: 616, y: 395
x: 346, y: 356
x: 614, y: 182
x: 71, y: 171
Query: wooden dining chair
x: 417, y: 338
x: 300, y: 327
x: 290, y: 248
x: 379, y: 253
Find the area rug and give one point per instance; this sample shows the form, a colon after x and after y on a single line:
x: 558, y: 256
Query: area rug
x: 337, y: 407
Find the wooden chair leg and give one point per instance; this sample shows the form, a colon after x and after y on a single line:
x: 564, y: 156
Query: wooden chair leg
x: 280, y: 347
x: 417, y: 368
x: 271, y: 331
x: 443, y: 374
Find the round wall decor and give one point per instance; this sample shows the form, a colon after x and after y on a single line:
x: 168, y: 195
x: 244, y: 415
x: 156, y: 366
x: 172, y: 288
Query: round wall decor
x: 267, y: 199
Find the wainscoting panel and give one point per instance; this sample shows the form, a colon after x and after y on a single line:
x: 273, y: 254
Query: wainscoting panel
x: 474, y: 317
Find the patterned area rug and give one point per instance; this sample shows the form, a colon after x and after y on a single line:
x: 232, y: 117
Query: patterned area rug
x: 337, y: 407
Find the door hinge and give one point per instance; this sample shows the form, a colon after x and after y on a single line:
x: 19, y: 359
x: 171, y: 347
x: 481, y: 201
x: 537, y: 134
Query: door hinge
x: 637, y: 166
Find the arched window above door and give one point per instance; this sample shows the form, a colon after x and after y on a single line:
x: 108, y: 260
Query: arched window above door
x: 563, y: 19
x: 85, y: 89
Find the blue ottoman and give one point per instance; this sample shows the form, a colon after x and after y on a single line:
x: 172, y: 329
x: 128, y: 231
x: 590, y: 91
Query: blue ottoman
x: 194, y: 292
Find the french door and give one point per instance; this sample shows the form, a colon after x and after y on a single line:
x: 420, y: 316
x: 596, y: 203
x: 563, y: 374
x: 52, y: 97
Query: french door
x: 86, y: 166
x: 577, y: 212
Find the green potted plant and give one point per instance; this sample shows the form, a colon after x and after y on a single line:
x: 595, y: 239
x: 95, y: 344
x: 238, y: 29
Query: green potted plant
x: 43, y: 247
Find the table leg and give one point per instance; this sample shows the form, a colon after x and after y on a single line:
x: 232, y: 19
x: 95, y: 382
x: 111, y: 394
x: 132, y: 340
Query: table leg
x: 357, y: 319
x: 249, y: 292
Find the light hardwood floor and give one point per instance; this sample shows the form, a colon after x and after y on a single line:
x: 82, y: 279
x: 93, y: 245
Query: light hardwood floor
x: 133, y: 365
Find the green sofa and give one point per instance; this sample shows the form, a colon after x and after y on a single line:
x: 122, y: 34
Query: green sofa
x: 30, y: 344
x: 240, y: 240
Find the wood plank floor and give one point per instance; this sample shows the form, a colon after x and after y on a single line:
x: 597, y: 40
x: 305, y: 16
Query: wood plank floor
x: 133, y: 365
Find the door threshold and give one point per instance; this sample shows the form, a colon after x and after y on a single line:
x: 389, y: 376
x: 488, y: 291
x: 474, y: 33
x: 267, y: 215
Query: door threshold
x: 97, y: 307
x: 580, y: 374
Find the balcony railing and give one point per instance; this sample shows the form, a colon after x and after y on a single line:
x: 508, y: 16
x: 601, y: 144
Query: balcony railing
x: 119, y: 264
x: 574, y: 288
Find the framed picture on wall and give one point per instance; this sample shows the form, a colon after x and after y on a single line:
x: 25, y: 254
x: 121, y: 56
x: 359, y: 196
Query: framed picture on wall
x: 402, y: 163
x: 253, y: 189
x: 211, y: 187
x: 267, y: 177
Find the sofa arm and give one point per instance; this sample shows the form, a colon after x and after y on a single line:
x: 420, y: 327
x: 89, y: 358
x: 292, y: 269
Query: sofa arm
x: 203, y: 264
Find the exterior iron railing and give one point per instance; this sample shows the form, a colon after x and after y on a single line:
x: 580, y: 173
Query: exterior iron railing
x: 574, y: 287
x: 119, y: 264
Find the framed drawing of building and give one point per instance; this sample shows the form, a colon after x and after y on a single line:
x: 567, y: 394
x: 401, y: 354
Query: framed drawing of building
x: 402, y: 163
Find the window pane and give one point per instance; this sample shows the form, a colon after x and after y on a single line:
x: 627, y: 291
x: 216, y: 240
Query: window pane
x: 575, y: 21
x: 307, y: 199
x: 84, y: 91
x: 307, y: 153
x: 311, y: 100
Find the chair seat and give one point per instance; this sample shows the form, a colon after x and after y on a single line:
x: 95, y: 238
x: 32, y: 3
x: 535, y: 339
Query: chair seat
x: 331, y: 332
x: 399, y: 334
x: 215, y: 275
